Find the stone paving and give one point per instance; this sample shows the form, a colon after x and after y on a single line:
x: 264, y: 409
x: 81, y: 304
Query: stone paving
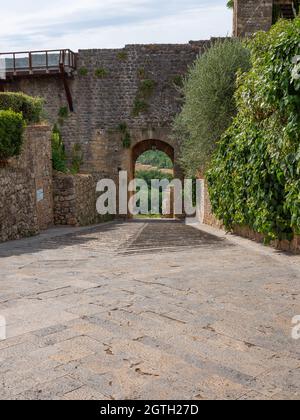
x: 147, y: 310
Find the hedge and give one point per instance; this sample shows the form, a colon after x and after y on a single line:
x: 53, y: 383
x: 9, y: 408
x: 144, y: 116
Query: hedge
x: 31, y: 108
x: 254, y: 178
x: 11, y: 133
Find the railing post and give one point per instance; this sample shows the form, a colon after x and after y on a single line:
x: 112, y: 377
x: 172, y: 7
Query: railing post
x: 30, y: 62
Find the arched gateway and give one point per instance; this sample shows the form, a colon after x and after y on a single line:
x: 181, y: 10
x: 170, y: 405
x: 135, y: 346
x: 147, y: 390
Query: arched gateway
x: 98, y: 96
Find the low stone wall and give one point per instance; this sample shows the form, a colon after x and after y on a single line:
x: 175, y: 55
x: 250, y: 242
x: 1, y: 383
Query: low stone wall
x: 26, y: 187
x: 288, y: 246
x: 74, y: 199
x: 245, y: 231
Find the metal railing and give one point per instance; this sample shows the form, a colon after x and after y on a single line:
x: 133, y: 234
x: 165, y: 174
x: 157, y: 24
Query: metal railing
x: 38, y: 61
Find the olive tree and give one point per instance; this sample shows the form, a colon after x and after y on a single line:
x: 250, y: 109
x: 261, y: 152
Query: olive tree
x: 209, y: 105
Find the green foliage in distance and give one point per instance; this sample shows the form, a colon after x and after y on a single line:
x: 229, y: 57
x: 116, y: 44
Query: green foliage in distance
x: 254, y: 178
x: 11, y: 133
x: 153, y: 174
x: 209, y: 104
x: 156, y: 159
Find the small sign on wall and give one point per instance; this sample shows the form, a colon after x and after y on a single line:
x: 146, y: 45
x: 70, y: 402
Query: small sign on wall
x: 40, y: 195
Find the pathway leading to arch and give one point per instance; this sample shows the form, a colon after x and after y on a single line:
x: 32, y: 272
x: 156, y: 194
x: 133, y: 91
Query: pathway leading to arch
x: 147, y: 310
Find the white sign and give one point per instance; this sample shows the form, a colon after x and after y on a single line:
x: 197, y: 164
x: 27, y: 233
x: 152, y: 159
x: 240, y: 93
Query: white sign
x: 2, y: 328
x: 40, y: 195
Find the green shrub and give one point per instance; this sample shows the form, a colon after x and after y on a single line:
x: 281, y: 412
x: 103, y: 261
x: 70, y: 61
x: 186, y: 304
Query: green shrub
x: 139, y: 106
x: 122, y: 127
x: 209, y: 104
x: 59, y: 158
x: 127, y: 140
x: 63, y: 112
x: 31, y: 108
x: 122, y: 56
x: 141, y: 73
x: 77, y: 159
x: 254, y: 178
x: 11, y: 134
x: 146, y: 88
x: 126, y: 137
x: 101, y: 73
x: 145, y: 91
x: 83, y: 71
x: 156, y: 159
x: 178, y: 81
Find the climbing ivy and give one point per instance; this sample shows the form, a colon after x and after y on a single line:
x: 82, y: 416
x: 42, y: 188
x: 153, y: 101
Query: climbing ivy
x: 145, y: 91
x: 59, y: 158
x: 122, y: 56
x: 83, y: 71
x: 101, y: 73
x: 254, y: 178
x: 125, y: 133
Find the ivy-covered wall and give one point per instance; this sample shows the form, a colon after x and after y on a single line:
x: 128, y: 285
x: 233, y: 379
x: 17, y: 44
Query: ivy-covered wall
x: 255, y: 174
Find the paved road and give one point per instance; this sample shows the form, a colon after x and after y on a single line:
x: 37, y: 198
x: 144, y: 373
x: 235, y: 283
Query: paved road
x: 145, y: 311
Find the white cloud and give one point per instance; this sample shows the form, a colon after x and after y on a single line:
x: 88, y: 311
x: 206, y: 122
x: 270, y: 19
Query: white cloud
x: 81, y: 24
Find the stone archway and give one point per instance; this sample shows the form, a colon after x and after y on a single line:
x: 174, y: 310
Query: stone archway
x: 152, y: 144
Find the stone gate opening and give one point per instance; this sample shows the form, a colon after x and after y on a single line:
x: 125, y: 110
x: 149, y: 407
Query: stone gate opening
x: 155, y: 171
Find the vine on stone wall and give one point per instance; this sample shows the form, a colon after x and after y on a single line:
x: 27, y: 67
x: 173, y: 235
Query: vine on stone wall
x: 254, y: 178
x: 145, y: 91
x: 101, y: 73
x: 126, y: 137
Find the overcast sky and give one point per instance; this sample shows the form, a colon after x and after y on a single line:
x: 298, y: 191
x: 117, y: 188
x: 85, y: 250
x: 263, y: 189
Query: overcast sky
x: 76, y: 24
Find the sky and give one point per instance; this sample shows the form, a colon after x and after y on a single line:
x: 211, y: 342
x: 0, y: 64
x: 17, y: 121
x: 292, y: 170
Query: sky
x: 84, y: 24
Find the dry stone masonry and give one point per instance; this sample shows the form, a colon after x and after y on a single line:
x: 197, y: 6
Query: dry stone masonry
x: 74, y: 199
x: 26, y: 187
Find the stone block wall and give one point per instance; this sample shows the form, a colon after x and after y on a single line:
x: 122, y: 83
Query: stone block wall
x: 26, y: 187
x: 251, y: 16
x: 104, y: 90
x: 74, y: 199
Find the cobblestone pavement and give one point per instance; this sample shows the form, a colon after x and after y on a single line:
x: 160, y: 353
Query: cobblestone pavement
x: 147, y: 311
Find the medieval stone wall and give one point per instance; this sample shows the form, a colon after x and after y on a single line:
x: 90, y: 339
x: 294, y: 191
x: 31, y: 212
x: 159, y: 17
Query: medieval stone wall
x: 74, y: 199
x: 105, y: 90
x: 26, y: 187
x: 251, y: 16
